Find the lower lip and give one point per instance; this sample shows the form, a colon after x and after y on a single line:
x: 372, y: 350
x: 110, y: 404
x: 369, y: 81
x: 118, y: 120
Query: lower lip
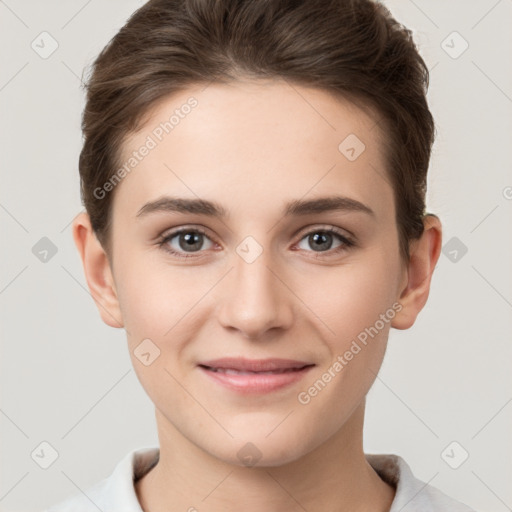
x: 256, y: 382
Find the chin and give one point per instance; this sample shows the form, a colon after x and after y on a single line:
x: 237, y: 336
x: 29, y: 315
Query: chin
x: 254, y: 449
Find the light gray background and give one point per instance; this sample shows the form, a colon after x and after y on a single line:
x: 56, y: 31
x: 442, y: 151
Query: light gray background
x: 67, y: 378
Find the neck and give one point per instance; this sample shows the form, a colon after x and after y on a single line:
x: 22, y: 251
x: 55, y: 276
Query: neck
x: 334, y: 476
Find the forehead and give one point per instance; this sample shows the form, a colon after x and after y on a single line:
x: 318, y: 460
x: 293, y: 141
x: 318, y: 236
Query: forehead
x: 255, y: 141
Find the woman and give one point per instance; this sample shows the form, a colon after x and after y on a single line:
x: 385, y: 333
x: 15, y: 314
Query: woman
x: 254, y: 177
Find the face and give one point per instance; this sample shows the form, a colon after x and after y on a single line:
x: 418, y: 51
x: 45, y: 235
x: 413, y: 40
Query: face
x: 269, y: 279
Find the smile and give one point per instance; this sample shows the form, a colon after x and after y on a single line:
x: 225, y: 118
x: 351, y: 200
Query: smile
x: 255, y: 376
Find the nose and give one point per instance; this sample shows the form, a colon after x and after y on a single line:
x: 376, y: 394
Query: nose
x: 255, y: 299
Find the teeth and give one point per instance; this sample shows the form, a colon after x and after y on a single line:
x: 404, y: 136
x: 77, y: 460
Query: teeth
x: 230, y: 371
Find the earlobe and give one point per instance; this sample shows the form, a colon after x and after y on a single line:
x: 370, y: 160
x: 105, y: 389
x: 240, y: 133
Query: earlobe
x: 424, y: 255
x: 98, y: 272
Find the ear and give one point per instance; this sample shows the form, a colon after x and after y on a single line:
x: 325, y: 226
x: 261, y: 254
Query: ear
x: 415, y: 287
x: 98, y: 273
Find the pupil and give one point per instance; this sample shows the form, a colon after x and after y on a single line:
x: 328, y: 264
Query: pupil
x: 191, y: 239
x: 322, y: 239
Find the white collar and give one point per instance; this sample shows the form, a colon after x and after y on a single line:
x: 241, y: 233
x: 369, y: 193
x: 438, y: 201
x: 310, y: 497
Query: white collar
x: 116, y: 493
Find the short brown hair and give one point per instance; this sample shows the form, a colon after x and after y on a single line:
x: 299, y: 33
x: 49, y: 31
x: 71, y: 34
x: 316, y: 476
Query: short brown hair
x: 354, y: 48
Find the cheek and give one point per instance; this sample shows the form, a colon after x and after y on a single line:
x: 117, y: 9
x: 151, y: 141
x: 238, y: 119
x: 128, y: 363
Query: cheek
x: 153, y: 297
x: 353, y: 297
x: 163, y: 314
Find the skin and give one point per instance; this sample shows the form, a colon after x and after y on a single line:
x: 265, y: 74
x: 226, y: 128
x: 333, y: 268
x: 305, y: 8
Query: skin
x: 252, y: 146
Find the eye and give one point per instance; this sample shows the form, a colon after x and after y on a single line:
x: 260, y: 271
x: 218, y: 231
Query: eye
x: 322, y: 239
x: 187, y: 240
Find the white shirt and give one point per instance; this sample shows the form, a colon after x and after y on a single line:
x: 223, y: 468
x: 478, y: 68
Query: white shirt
x: 116, y: 493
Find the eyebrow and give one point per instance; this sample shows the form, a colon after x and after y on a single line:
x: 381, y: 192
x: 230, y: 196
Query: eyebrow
x: 293, y: 208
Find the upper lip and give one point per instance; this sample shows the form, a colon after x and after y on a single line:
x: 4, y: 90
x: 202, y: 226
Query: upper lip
x: 254, y: 365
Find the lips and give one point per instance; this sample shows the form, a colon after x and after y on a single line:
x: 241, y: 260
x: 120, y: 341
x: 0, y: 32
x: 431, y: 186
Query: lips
x: 255, y: 375
x: 241, y: 365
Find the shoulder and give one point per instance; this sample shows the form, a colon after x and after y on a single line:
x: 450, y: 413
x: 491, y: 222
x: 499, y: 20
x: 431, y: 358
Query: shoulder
x: 116, y: 492
x: 90, y: 500
x: 412, y: 494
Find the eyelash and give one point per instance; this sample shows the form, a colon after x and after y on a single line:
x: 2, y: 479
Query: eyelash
x: 165, y: 239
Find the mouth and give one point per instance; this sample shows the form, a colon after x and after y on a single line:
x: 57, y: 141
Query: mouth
x: 255, y: 375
